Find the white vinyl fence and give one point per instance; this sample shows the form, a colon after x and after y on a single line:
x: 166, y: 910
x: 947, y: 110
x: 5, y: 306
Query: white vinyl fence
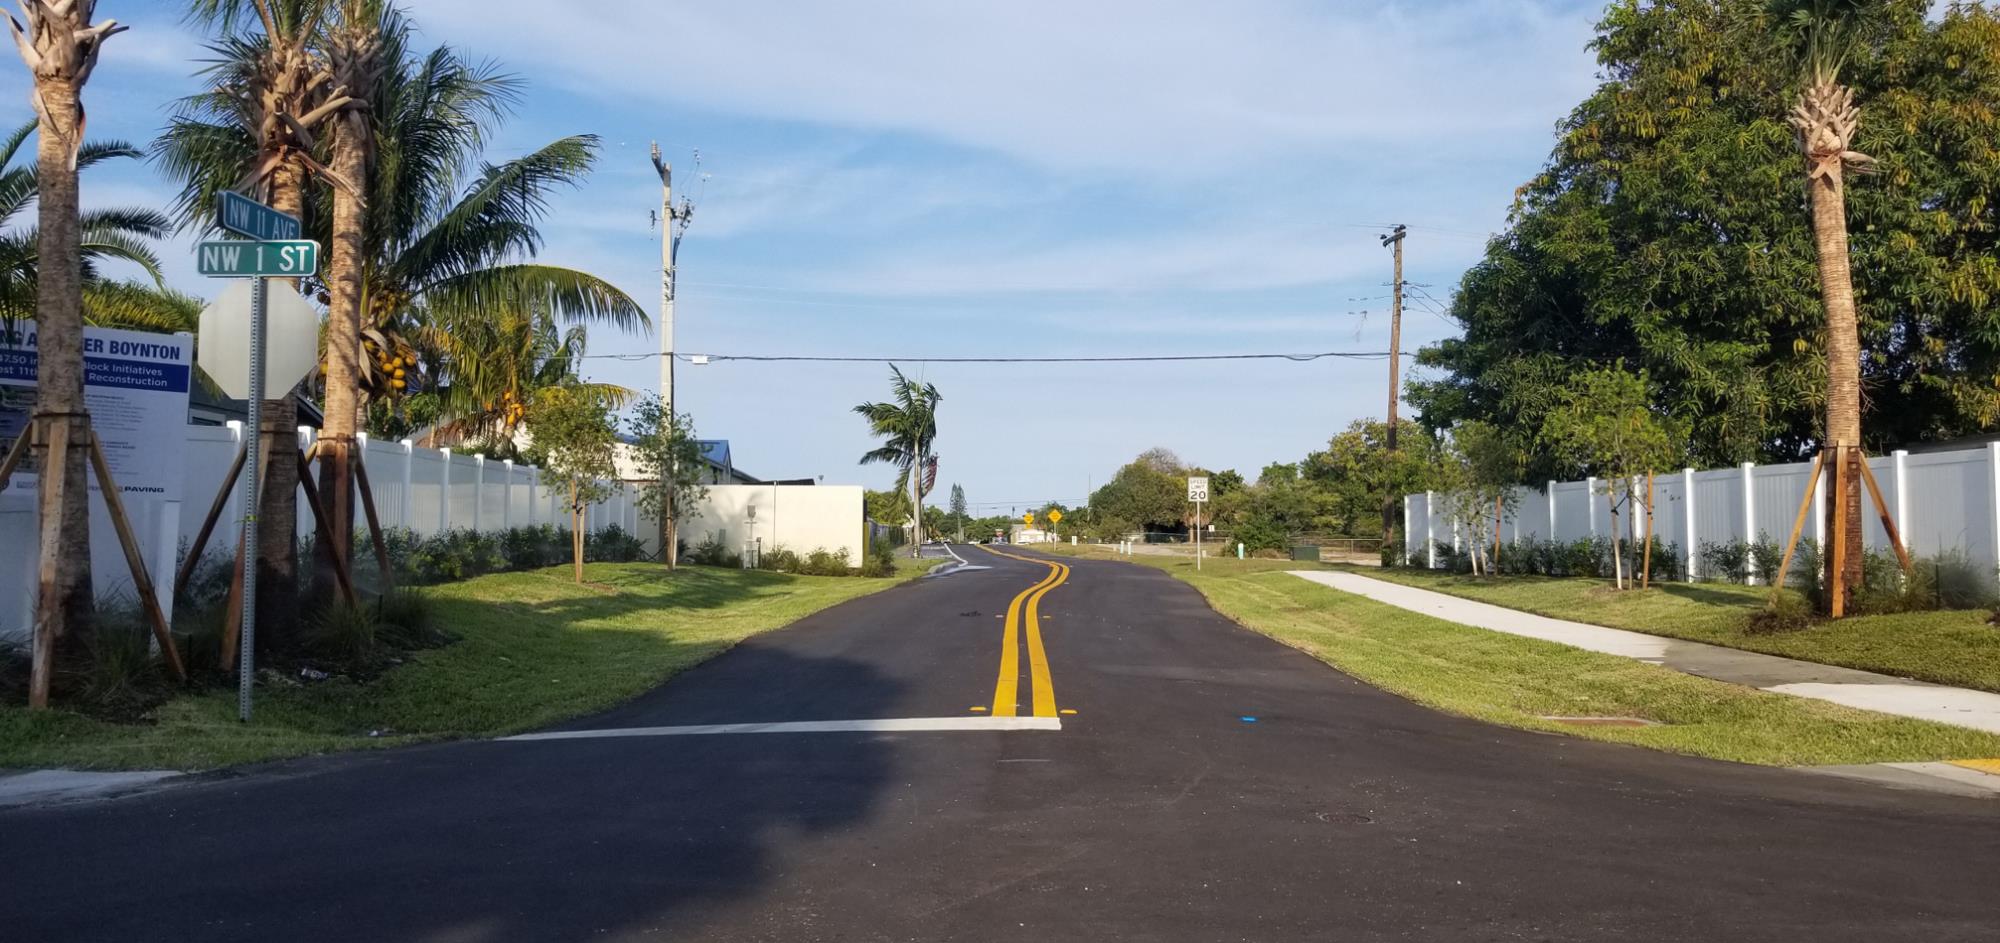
x: 1939, y: 500
x: 428, y: 491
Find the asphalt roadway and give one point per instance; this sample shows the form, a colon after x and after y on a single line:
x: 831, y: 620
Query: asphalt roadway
x: 1210, y: 785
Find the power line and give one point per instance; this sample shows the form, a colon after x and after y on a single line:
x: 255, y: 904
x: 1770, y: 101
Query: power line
x: 1158, y: 358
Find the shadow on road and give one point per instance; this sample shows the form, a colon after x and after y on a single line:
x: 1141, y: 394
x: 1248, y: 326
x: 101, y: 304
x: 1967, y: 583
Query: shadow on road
x: 482, y: 841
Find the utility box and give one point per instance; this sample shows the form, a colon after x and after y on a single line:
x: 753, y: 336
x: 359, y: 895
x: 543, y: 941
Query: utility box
x: 1305, y: 552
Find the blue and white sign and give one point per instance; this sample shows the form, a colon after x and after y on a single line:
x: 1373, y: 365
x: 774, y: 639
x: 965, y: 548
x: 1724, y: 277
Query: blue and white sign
x: 136, y: 388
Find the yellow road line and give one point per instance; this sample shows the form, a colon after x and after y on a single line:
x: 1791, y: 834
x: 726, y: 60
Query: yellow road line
x: 1006, y: 691
x: 1984, y: 766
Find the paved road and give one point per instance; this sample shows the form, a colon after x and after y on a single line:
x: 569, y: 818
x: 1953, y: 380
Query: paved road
x: 1158, y: 811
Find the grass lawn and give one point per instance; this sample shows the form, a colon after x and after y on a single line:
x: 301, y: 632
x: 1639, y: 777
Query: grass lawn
x: 534, y: 649
x: 1956, y: 648
x: 1517, y: 681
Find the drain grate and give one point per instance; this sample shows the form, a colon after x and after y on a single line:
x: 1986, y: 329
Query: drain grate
x: 1603, y: 721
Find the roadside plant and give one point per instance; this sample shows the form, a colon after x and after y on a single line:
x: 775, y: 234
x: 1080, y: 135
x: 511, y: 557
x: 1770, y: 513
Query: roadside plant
x: 1604, y: 425
x: 907, y: 426
x: 574, y: 432
x: 671, y: 462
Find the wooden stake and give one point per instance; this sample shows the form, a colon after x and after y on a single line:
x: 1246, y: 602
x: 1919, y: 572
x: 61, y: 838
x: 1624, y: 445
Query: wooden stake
x: 1837, y: 584
x: 325, y: 532
x: 1646, y: 567
x: 134, y: 560
x: 215, y: 509
x: 374, y: 524
x: 19, y: 451
x: 1888, y: 523
x: 1798, y: 526
x: 55, y: 460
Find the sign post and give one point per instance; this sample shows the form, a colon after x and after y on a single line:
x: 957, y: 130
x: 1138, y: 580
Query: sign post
x: 276, y: 251
x: 1197, y: 493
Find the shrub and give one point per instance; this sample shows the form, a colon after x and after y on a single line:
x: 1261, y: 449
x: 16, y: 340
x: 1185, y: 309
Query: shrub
x: 881, y: 559
x: 114, y: 672
x: 1726, y: 561
x: 1392, y: 554
x: 779, y: 559
x: 712, y: 552
x: 1452, y: 559
x: 824, y: 563
x: 612, y: 545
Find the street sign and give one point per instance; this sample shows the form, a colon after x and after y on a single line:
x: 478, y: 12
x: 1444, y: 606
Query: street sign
x: 291, y: 258
x: 1028, y: 518
x: 1055, y: 517
x: 247, y: 217
x: 1198, y: 489
x: 291, y: 345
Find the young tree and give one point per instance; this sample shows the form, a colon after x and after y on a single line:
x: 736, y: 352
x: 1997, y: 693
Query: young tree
x: 907, y: 424
x: 1604, y: 424
x: 669, y: 455
x: 576, y: 436
x: 1481, y: 470
x: 60, y: 46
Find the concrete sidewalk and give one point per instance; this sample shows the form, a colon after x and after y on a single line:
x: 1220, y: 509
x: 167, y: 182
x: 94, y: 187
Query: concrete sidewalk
x: 1867, y: 690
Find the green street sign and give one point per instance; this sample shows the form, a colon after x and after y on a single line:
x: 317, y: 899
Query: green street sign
x: 290, y: 258
x: 248, y: 218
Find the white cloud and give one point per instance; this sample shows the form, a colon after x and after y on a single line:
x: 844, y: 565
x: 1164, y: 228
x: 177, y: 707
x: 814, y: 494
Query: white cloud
x: 1168, y: 88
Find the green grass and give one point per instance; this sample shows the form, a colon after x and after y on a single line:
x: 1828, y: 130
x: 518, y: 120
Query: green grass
x: 1515, y: 681
x: 1957, y: 648
x: 534, y: 649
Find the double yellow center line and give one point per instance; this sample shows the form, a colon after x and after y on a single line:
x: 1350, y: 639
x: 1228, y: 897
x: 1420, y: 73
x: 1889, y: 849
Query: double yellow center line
x: 1007, y: 691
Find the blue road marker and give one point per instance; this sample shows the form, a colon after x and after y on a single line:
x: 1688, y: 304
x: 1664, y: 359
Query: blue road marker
x: 1247, y: 719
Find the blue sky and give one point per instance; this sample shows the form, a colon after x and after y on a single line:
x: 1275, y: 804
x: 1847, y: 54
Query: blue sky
x: 999, y: 179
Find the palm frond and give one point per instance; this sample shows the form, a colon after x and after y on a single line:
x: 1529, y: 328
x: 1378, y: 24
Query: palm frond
x: 494, y: 220
x: 566, y: 295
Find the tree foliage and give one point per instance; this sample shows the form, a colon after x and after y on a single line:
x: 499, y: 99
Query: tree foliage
x: 670, y: 459
x: 1669, y: 230
x: 907, y: 425
x: 576, y: 438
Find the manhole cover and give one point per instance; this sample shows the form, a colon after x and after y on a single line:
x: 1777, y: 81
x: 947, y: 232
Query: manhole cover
x: 1604, y: 721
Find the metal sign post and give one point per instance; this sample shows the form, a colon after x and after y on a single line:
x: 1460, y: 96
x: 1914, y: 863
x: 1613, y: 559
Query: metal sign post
x: 246, y: 657
x: 1197, y: 493
x: 276, y: 251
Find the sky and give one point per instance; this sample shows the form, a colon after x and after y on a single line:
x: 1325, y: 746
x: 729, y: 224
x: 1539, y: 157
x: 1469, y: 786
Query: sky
x: 910, y: 179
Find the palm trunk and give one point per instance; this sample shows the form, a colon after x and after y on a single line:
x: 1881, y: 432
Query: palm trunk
x: 65, y: 603
x: 343, y: 336
x: 917, y: 506
x: 1843, y: 367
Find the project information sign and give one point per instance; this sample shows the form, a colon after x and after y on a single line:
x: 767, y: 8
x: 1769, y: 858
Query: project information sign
x: 136, y: 388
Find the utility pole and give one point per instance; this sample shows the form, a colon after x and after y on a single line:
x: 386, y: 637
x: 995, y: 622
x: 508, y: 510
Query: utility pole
x: 673, y: 224
x: 1395, y: 239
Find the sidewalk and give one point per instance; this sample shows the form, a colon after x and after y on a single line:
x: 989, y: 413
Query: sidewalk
x: 1867, y: 690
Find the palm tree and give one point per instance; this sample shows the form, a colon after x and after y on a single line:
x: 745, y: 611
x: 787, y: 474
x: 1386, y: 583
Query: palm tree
x: 103, y: 235
x: 497, y: 366
x: 255, y: 129
x: 60, y: 46
x: 908, y: 427
x: 1827, y: 33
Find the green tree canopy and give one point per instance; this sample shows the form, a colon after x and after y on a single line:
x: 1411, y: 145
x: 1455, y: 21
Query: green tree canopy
x: 1669, y: 230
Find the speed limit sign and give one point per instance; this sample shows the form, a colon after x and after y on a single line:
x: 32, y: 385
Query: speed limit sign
x: 1198, y: 489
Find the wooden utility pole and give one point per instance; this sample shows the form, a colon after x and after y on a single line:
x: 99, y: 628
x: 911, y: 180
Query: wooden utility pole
x: 1395, y: 240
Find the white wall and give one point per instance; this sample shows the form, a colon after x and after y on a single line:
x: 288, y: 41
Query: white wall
x: 410, y: 485
x: 800, y: 518
x: 1939, y: 501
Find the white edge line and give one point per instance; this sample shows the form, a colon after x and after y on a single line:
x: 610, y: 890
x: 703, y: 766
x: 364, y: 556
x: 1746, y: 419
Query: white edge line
x: 892, y: 725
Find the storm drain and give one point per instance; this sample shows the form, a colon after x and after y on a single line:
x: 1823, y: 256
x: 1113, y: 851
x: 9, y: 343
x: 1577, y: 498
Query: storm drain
x: 1604, y: 721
